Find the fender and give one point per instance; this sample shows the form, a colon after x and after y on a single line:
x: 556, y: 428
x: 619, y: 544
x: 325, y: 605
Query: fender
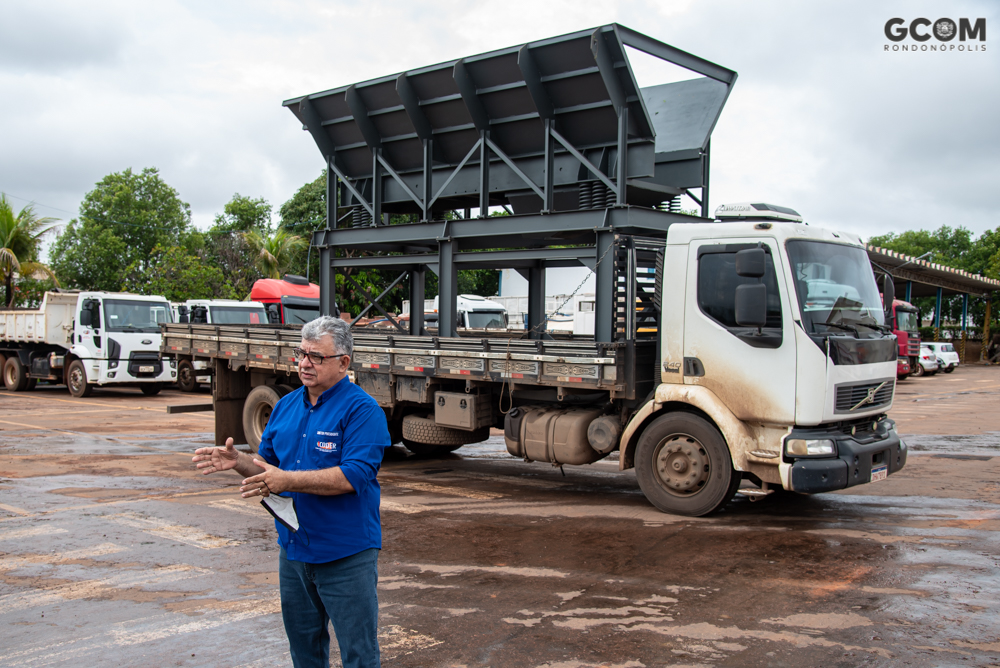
x: 742, y: 438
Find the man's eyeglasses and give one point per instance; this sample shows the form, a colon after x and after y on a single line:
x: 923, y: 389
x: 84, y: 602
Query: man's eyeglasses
x: 314, y: 358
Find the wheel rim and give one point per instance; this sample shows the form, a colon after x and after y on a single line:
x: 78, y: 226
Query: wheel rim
x: 76, y: 381
x: 260, y: 418
x: 186, y: 376
x: 682, y: 465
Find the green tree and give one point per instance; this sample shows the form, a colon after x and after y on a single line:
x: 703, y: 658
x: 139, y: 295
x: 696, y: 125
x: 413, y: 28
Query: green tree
x: 274, y: 254
x: 20, y: 238
x: 122, y: 220
x: 86, y: 257
x: 177, y: 275
x: 244, y: 214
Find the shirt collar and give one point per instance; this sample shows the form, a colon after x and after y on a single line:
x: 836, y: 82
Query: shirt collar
x: 327, y: 394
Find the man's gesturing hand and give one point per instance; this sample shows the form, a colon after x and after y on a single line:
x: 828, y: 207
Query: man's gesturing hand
x: 211, y: 460
x: 270, y: 481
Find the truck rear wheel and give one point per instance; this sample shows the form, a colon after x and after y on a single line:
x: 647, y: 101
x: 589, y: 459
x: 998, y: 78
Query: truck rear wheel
x: 683, y: 466
x: 187, y: 381
x: 15, y: 376
x: 423, y: 436
x: 257, y: 411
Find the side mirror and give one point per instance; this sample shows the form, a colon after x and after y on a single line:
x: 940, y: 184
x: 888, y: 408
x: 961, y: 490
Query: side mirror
x: 888, y: 294
x: 750, y: 263
x: 85, y: 317
x: 751, y: 304
x: 182, y: 314
x: 199, y: 314
x: 273, y: 315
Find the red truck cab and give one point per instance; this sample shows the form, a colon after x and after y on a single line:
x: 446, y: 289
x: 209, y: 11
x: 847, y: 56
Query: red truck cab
x: 906, y: 326
x: 291, y: 300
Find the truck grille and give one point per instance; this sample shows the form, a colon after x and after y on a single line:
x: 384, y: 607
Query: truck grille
x: 913, y: 347
x: 849, y: 396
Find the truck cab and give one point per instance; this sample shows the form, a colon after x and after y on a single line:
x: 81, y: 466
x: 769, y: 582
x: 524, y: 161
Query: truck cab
x: 473, y: 312
x: 905, y: 323
x: 191, y: 373
x: 292, y: 300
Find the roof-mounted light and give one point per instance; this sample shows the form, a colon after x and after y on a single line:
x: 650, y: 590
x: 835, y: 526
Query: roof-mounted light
x: 748, y: 211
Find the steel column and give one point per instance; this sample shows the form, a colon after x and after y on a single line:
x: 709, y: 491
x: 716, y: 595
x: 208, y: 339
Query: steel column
x: 536, y: 301
x: 937, y: 310
x: 327, y: 283
x: 548, y: 202
x: 604, y: 315
x: 909, y: 292
x: 447, y: 289
x: 376, y: 187
x: 965, y: 310
x: 705, y: 167
x: 428, y: 178
x: 484, y: 175
x: 417, y: 275
x: 622, y: 156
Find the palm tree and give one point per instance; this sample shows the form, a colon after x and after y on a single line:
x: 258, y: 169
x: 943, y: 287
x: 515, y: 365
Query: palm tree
x: 20, y: 237
x: 276, y: 252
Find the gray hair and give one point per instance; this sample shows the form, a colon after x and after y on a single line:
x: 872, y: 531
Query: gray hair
x: 337, y: 329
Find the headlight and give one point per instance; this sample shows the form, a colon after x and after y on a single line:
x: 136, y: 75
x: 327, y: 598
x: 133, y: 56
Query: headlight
x: 800, y: 447
x: 173, y: 363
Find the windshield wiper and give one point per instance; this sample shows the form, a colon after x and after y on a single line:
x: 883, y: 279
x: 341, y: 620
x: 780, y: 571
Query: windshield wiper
x: 847, y: 327
x: 879, y: 328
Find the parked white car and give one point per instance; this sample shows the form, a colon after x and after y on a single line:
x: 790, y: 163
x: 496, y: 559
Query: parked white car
x: 927, y: 364
x: 946, y: 354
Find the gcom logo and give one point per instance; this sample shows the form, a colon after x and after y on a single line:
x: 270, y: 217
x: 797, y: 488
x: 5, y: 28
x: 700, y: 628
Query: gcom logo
x: 943, y: 30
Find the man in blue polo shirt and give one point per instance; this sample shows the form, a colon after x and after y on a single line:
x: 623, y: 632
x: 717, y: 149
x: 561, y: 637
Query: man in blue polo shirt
x: 322, y: 447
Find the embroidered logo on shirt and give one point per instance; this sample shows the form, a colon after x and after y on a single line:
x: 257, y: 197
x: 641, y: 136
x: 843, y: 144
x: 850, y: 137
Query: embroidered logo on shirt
x: 328, y: 433
x: 326, y: 446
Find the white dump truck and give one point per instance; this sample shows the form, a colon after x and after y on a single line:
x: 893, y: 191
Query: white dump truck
x: 86, y: 339
x: 191, y: 373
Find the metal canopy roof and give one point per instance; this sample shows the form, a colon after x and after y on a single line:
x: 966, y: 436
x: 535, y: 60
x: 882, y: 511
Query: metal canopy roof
x: 927, y: 277
x: 580, y: 85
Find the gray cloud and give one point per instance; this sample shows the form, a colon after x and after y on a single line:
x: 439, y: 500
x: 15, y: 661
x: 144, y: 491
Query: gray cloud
x: 821, y: 118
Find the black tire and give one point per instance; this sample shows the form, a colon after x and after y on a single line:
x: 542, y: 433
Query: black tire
x: 950, y: 369
x: 423, y: 436
x: 151, y: 389
x: 187, y: 381
x: 918, y: 371
x: 32, y: 382
x: 257, y: 411
x: 701, y: 479
x: 15, y: 376
x: 76, y: 380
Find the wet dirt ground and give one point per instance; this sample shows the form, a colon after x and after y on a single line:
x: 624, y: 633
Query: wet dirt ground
x: 114, y: 552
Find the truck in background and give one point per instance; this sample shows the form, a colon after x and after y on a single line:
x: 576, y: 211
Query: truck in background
x: 86, y: 340
x: 191, y: 373
x: 905, y: 323
x: 473, y: 312
x: 292, y: 300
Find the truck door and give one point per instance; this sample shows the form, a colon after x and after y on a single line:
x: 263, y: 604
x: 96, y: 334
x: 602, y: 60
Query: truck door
x: 89, y: 330
x: 751, y: 369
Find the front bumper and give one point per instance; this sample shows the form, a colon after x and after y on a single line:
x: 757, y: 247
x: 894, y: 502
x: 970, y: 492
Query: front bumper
x: 856, y: 457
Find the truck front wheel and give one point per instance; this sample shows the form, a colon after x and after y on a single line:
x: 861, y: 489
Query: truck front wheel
x: 257, y: 411
x: 683, y: 466
x: 15, y: 376
x: 187, y: 381
x: 77, y: 380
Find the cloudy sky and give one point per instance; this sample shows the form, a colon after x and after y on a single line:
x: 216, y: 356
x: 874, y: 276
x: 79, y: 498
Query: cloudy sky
x: 822, y: 119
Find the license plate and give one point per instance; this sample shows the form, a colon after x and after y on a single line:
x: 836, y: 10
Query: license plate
x: 880, y: 472
x: 147, y: 369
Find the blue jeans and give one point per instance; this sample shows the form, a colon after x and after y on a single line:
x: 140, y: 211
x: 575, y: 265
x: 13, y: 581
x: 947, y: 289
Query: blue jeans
x: 341, y: 591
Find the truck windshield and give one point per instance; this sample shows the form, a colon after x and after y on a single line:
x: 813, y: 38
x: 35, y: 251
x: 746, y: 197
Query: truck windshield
x: 835, y: 287
x: 300, y: 315
x: 125, y: 315
x: 236, y: 315
x: 906, y: 320
x: 487, y: 319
